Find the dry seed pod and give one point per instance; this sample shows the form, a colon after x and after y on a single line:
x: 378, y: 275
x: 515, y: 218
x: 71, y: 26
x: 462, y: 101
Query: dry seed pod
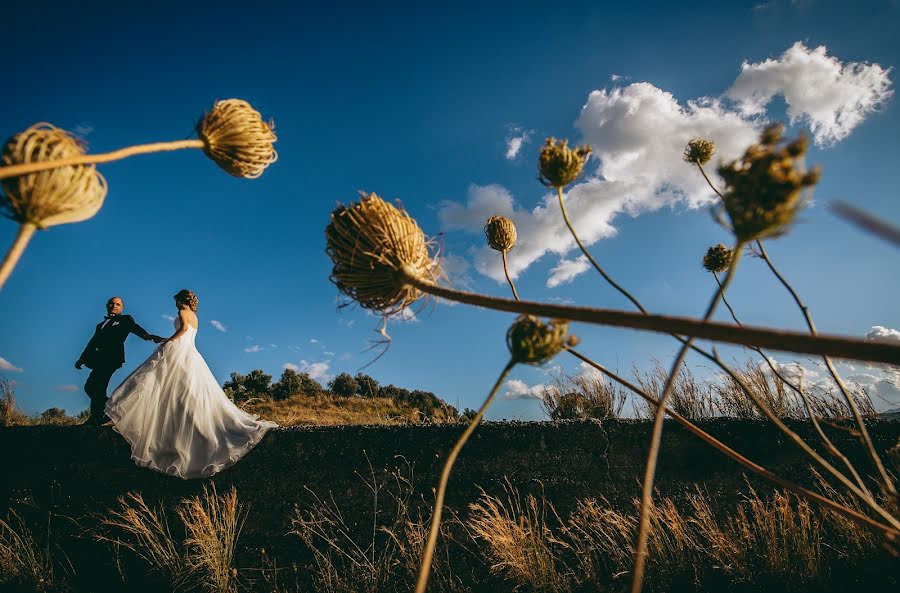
x: 235, y: 136
x: 560, y: 165
x: 500, y: 233
x: 717, y: 258
x: 375, y: 246
x: 699, y: 151
x: 531, y: 341
x: 55, y: 196
x: 764, y: 187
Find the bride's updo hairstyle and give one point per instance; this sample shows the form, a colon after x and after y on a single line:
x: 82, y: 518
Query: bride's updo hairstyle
x: 186, y: 297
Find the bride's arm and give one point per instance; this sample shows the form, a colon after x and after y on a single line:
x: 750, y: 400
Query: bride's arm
x: 181, y: 330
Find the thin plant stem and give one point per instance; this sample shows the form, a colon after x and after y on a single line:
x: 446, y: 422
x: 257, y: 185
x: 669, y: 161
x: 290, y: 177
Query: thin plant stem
x: 640, y: 555
x: 867, y: 222
x: 803, y: 445
x: 705, y: 176
x: 864, y: 433
x: 839, y: 346
x: 731, y: 453
x: 26, y: 231
x: 830, y: 446
x: 508, y: 279
x: 562, y: 206
x: 428, y: 552
x: 90, y: 159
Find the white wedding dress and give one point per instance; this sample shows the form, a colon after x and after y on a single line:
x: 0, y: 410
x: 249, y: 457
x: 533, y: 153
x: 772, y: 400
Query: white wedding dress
x: 177, y: 418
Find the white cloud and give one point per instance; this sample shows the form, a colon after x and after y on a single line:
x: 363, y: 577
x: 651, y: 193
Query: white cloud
x: 831, y: 96
x: 254, y: 348
x: 316, y: 370
x: 518, y: 389
x: 883, y: 334
x: 313, y: 341
x: 219, y: 326
x: 638, y: 135
x: 515, y: 140
x: 566, y: 270
x: 68, y: 388
x: 5, y: 365
x: 168, y: 317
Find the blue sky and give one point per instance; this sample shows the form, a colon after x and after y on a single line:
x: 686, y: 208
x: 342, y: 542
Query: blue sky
x: 422, y: 103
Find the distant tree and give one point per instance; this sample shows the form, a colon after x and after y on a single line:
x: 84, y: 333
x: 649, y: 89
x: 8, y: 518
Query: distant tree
x: 343, y: 385
x: 234, y: 387
x: 468, y: 414
x: 393, y: 392
x: 366, y: 385
x: 289, y: 384
x: 53, y: 416
x: 309, y: 386
x: 258, y: 383
x: 240, y: 387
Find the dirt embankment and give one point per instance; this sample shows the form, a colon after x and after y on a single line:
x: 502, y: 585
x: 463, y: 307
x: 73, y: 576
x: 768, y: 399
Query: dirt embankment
x: 77, y: 471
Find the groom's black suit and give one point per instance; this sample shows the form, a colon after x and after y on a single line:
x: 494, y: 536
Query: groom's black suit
x: 104, y: 355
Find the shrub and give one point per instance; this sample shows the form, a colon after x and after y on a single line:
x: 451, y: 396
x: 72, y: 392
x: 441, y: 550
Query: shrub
x: 289, y: 384
x: 343, y: 385
x: 240, y: 388
x: 366, y: 385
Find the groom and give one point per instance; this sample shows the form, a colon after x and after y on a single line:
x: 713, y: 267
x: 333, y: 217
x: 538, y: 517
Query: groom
x: 105, y: 354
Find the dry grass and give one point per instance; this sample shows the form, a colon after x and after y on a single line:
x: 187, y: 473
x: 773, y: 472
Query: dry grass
x: 758, y: 541
x: 24, y: 559
x: 145, y: 532
x: 10, y: 414
x: 578, y: 397
x: 382, y: 553
x: 212, y: 525
x: 522, y: 545
x: 722, y: 396
x: 327, y: 410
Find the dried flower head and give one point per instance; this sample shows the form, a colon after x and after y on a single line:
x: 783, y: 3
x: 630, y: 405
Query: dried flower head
x: 55, y: 196
x: 500, y: 232
x: 560, y: 165
x: 375, y: 247
x: 235, y: 136
x: 532, y: 341
x: 772, y: 134
x: 718, y: 258
x: 699, y: 151
x: 764, y: 188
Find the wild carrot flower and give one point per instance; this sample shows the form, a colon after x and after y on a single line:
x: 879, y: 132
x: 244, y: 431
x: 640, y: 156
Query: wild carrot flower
x: 532, y: 341
x: 500, y: 233
x: 560, y: 165
x: 764, y: 187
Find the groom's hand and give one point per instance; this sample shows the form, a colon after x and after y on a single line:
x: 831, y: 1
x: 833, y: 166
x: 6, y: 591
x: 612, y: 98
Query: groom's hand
x: 158, y: 339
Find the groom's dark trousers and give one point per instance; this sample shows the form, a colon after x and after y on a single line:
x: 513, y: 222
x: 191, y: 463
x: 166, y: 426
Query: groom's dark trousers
x: 104, y: 355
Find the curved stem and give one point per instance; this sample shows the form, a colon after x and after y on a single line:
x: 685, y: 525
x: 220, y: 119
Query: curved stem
x: 729, y: 452
x: 851, y: 402
x: 720, y: 332
x: 829, y: 446
x: 26, y: 231
x: 508, y: 279
x: 640, y: 555
x: 803, y: 445
x: 562, y: 206
x: 703, y: 171
x: 90, y: 159
x: 428, y: 552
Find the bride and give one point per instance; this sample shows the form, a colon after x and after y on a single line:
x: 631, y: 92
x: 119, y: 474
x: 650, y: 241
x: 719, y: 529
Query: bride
x: 173, y: 412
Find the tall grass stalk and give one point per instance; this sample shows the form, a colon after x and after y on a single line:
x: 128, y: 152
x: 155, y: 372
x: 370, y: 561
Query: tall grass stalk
x: 213, y: 524
x: 24, y: 559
